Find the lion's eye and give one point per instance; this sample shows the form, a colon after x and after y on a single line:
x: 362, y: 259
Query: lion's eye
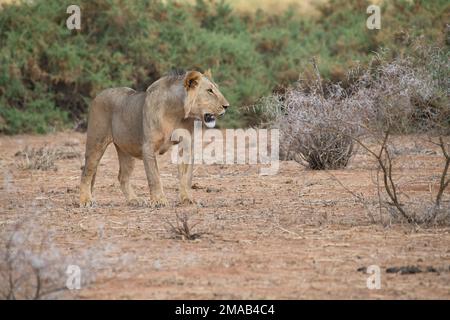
x: 210, y: 91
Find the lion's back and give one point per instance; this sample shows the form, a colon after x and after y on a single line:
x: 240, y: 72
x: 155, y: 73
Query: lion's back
x: 114, y: 99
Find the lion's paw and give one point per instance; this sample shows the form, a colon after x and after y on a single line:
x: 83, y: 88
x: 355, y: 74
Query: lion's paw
x: 186, y: 199
x: 86, y: 202
x: 158, y: 201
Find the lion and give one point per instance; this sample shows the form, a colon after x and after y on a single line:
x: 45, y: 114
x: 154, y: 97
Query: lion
x: 140, y: 125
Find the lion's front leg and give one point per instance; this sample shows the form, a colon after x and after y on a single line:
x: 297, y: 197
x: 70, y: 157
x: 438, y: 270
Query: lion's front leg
x: 185, y: 173
x: 185, y: 168
x: 157, y: 196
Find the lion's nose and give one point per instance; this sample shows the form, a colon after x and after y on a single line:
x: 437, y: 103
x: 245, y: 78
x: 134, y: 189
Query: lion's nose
x: 225, y: 107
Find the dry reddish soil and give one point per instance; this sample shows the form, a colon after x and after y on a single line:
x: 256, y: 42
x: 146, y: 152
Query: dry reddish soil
x: 295, y: 235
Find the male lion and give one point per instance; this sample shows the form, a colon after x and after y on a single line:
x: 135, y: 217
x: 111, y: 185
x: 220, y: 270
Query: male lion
x: 140, y: 125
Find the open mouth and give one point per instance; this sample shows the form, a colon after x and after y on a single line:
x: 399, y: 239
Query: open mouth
x: 210, y: 120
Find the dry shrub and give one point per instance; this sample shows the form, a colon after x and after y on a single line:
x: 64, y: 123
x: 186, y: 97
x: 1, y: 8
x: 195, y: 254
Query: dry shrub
x: 32, y: 267
x: 316, y: 123
x: 313, y: 134
x: 43, y: 158
x: 404, y: 94
x: 37, y: 159
x: 321, y: 124
x: 392, y: 197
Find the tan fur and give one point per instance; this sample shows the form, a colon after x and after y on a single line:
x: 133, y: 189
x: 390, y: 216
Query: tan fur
x: 140, y: 125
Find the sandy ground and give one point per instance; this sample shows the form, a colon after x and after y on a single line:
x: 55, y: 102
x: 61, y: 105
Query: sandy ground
x: 296, y: 235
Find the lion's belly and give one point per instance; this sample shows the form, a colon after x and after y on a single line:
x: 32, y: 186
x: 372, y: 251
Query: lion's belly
x: 127, y: 137
x: 134, y: 150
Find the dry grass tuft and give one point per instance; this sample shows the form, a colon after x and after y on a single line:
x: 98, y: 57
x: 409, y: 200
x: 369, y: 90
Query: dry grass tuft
x: 44, y: 158
x: 182, y: 229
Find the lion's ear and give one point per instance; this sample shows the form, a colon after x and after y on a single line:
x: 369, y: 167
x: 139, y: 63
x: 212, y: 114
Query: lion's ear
x: 208, y: 74
x: 192, y: 80
x: 191, y: 83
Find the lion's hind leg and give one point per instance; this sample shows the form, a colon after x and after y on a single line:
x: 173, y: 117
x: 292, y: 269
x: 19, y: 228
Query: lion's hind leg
x: 94, y: 154
x: 126, y: 163
x: 98, y: 138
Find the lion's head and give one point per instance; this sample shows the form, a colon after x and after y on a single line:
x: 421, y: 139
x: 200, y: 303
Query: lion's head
x: 204, y: 100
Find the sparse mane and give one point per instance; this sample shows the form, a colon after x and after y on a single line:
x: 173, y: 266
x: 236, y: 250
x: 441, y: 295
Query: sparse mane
x: 176, y: 72
x: 175, y: 75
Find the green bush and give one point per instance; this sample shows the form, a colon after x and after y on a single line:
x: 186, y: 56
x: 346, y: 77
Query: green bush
x: 49, y: 74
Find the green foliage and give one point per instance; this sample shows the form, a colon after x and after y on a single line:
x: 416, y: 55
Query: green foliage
x: 49, y: 74
x: 40, y: 116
